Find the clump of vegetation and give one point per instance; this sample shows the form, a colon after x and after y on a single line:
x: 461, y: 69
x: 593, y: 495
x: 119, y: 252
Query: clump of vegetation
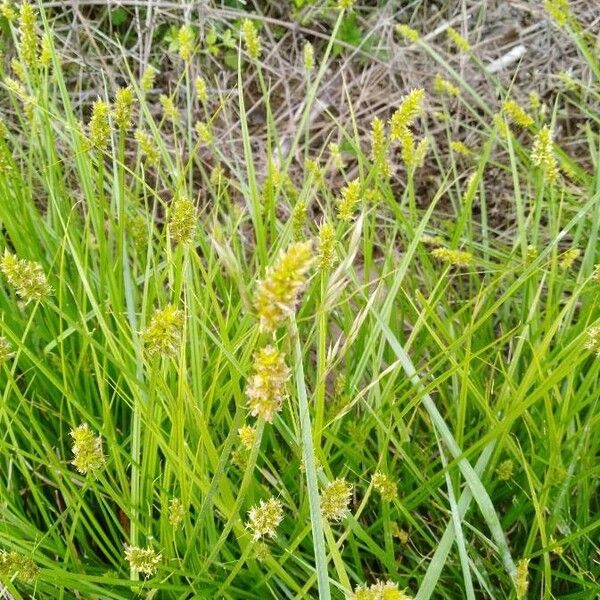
x: 266, y: 358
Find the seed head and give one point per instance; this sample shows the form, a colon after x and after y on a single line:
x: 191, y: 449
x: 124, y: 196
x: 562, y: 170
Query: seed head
x: 183, y: 220
x: 327, y: 240
x: 15, y: 565
x: 309, y: 57
x: 170, y: 111
x: 517, y: 114
x: 88, y: 456
x: 247, y: 435
x: 384, y: 485
x: 460, y: 147
x: 148, y: 78
x: 7, y: 11
x: 505, y: 470
x: 542, y: 154
x: 335, y: 499
x: 413, y: 156
x: 5, y: 350
x: 27, y: 277
x: 379, y: 145
x: 593, y: 341
x: 186, y: 39
x: 336, y: 155
x: 99, y: 125
x: 559, y: 11
x: 345, y: 4
x: 27, y: 35
x: 264, y: 518
x: 147, y: 148
x: 266, y: 387
x: 456, y: 258
x: 163, y: 335
x: 124, y: 99
x: 349, y: 199
x: 409, y: 109
x: 534, y: 101
x: 251, y: 39
x: 278, y: 293
x: 407, y: 32
x: 568, y: 257
x: 204, y: 132
x: 201, y: 90
x: 176, y: 512
x: 46, y: 51
x: 143, y: 560
x: 379, y: 591
x: 458, y: 40
x: 522, y: 578
x: 298, y: 218
x: 442, y: 86
x: 501, y: 126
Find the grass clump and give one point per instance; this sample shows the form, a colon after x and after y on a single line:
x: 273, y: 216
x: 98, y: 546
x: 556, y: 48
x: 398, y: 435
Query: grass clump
x: 244, y: 358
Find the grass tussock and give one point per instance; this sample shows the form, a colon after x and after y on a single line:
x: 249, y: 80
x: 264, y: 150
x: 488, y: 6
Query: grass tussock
x: 345, y: 354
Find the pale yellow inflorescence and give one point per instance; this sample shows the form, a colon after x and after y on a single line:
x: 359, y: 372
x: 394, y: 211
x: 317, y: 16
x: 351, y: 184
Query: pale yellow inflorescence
x: 266, y: 389
x: 335, y: 499
x: 143, y: 560
x: 27, y: 277
x: 382, y: 590
x: 278, y: 293
x: 88, y: 456
x: 264, y: 518
x: 162, y: 337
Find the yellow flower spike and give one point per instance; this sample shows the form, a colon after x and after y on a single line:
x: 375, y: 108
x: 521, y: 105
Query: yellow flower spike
x: 27, y: 277
x: 88, y: 456
x: 534, y: 101
x: 266, y: 389
x: 378, y: 143
x: 568, y: 257
x: 456, y: 258
x: 177, y: 512
x: 148, y: 78
x: 335, y: 499
x: 264, y: 519
x: 5, y: 350
x: 505, y: 470
x: 46, y: 51
x: 169, y: 109
x: 247, y: 435
x: 408, y: 33
x: 382, y: 590
x: 559, y: 11
x: 517, y: 114
x: 16, y: 566
x: 460, y: 147
x: 99, y: 125
x: 522, y: 578
x: 201, y: 90
x: 501, y: 126
x: 593, y: 340
x: 336, y: 155
x: 409, y: 109
x: 542, y: 154
x: 442, y: 86
x: 186, y: 39
x: 162, y: 337
x: 204, y: 132
x: 278, y: 293
x: 458, y: 40
x: 349, y: 199
x: 124, y: 99
x: 327, y: 239
x: 28, y: 37
x: 183, y: 221
x: 7, y: 11
x: 345, y: 4
x: 147, y: 148
x: 384, y: 485
x: 309, y: 57
x: 143, y: 560
x: 251, y: 39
